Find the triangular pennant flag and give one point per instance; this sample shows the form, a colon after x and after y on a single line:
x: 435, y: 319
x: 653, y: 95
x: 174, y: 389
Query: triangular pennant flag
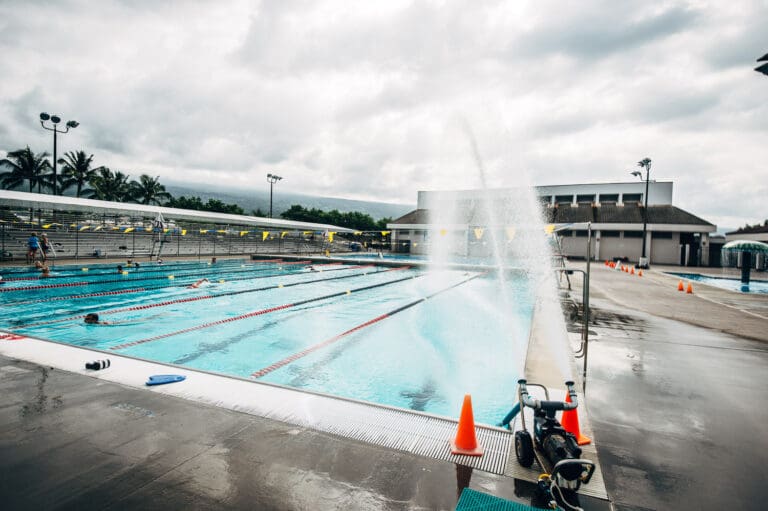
x: 307, y: 232
x: 357, y: 233
x: 98, y: 228
x: 183, y: 232
x: 510, y: 233
x: 203, y: 231
x: 549, y: 228
x: 384, y: 233
x: 128, y: 229
x: 264, y: 235
x: 85, y: 227
x: 443, y: 232
x: 479, y: 233
x: 330, y: 237
x: 282, y: 234
x: 243, y: 233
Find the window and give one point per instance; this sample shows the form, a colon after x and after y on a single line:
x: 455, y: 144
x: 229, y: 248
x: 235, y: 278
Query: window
x: 566, y: 233
x: 581, y: 234
x: 661, y: 235
x: 633, y: 234
x: 589, y: 199
x: 609, y: 198
x: 633, y: 197
x: 563, y: 199
x: 610, y: 234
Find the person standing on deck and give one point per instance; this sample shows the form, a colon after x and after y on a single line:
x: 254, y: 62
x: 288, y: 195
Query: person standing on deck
x: 33, y: 245
x: 45, y: 247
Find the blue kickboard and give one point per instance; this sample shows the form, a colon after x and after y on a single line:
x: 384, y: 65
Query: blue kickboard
x: 162, y: 379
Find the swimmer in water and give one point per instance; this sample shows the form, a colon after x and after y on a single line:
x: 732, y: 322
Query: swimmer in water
x: 200, y: 283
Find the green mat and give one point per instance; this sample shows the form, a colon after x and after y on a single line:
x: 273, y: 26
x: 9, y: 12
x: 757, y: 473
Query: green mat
x: 472, y: 500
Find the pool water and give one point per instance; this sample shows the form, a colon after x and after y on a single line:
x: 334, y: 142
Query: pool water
x: 357, y: 331
x: 754, y: 286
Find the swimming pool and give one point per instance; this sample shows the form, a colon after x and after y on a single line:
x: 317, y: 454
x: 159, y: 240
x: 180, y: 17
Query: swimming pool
x: 396, y: 336
x: 755, y: 286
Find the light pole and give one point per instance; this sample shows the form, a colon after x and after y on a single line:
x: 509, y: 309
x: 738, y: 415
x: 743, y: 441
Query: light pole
x: 646, y: 164
x: 272, y: 178
x: 55, y: 120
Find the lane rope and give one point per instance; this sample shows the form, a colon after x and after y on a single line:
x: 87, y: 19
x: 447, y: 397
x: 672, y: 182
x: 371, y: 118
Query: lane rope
x: 277, y: 365
x: 148, y: 288
x: 126, y: 278
x: 197, y: 298
x: 258, y: 313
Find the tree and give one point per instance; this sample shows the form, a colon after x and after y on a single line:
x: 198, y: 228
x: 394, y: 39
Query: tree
x: 352, y: 220
x: 214, y: 205
x: 77, y: 171
x: 25, y: 166
x: 110, y: 186
x: 148, y: 190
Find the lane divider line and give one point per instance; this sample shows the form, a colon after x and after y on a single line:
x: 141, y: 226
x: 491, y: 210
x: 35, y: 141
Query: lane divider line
x: 195, y: 298
x: 257, y: 313
x: 150, y: 288
x: 128, y: 278
x: 280, y: 363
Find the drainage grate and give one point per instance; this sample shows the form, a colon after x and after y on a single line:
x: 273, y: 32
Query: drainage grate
x: 424, y: 435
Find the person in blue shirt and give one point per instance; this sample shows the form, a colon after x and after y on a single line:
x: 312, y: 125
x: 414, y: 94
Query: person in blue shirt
x: 33, y: 245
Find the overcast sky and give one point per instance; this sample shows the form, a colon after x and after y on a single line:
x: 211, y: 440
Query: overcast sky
x: 375, y: 100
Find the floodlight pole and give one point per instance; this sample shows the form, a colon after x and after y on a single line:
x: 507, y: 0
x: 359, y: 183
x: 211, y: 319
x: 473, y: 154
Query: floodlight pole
x: 55, y: 120
x: 272, y: 179
x: 646, y: 164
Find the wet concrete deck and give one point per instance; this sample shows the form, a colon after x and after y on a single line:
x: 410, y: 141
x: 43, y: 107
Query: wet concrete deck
x: 676, y: 402
x: 678, y: 411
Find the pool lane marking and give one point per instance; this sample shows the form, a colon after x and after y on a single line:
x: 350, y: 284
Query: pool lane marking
x: 130, y: 278
x: 280, y: 363
x: 204, y: 297
x: 144, y: 269
x: 145, y: 266
x: 148, y: 288
x: 260, y: 312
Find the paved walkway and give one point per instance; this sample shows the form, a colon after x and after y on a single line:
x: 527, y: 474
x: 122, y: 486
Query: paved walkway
x: 676, y: 402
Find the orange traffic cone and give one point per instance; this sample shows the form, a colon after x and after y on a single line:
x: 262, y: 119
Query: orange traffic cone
x: 466, y: 442
x: 570, y: 422
x: 639, y: 273
x: 680, y: 286
x: 690, y: 289
x: 633, y: 271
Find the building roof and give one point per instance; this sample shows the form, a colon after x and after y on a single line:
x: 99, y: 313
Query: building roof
x: 60, y: 202
x: 605, y: 214
x: 627, y: 214
x: 753, y: 229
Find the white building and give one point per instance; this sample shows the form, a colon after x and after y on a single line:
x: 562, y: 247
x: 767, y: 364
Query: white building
x: 615, y: 212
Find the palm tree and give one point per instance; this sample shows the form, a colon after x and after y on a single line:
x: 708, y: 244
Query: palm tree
x: 148, y: 190
x: 77, y: 171
x: 25, y: 166
x: 109, y: 186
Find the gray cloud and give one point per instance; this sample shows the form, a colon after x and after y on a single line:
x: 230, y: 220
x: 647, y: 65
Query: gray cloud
x: 368, y: 100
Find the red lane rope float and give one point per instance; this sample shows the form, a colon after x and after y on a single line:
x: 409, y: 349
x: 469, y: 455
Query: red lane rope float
x: 152, y: 288
x: 127, y: 278
x: 280, y: 363
x: 257, y: 313
x: 146, y: 267
x: 196, y: 298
